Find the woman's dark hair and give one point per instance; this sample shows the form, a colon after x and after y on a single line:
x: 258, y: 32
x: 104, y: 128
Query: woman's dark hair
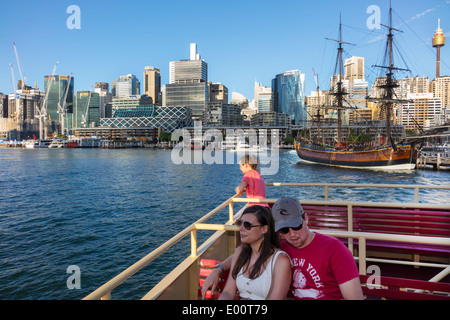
x: 268, y: 245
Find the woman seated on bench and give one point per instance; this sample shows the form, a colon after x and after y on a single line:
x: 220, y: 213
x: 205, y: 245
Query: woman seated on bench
x: 259, y: 269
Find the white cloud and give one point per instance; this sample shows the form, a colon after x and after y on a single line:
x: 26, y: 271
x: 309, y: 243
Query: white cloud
x: 419, y: 15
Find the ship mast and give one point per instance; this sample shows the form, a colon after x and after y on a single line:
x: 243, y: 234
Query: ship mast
x: 390, y: 81
x: 340, y: 91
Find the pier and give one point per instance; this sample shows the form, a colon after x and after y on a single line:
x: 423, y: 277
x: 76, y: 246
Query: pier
x: 437, y: 163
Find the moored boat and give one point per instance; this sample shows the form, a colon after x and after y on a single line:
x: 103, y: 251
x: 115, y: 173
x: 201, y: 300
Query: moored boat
x: 385, y: 153
x: 383, y: 157
x: 31, y: 144
x: 72, y: 144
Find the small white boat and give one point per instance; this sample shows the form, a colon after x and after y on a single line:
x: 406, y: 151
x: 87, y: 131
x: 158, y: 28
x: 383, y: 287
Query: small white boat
x: 245, y: 148
x: 58, y: 143
x: 31, y: 144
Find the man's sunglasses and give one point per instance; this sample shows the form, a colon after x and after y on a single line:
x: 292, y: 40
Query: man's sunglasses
x: 247, y: 225
x: 286, y: 230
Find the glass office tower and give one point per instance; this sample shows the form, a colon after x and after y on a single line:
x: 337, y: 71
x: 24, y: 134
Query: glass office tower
x: 60, y: 88
x: 125, y: 86
x: 288, y: 95
x: 87, y: 112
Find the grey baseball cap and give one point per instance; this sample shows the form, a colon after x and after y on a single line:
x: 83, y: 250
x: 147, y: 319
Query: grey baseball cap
x: 287, y: 213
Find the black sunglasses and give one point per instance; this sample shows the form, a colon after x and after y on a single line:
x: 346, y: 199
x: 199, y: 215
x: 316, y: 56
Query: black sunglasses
x: 247, y: 225
x: 286, y: 230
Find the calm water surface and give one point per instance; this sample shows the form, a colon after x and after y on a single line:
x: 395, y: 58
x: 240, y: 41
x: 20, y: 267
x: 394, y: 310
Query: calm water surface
x: 103, y: 210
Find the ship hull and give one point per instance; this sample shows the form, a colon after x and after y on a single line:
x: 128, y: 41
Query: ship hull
x: 381, y: 158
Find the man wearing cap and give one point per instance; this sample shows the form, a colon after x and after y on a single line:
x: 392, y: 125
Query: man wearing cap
x: 322, y: 267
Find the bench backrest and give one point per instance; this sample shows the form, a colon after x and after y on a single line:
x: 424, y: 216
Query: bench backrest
x: 405, y: 289
x: 426, y: 222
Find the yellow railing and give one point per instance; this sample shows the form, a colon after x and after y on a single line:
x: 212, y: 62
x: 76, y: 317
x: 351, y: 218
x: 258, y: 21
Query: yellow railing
x: 327, y: 186
x: 104, y: 292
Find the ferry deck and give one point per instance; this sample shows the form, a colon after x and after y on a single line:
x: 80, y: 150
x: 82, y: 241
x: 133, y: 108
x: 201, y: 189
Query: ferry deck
x: 408, y: 242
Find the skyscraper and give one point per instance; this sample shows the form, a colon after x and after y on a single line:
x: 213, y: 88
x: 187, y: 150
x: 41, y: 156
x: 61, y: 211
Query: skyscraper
x: 218, y: 93
x: 288, y: 91
x: 60, y: 96
x: 152, y: 84
x: 105, y: 97
x: 86, y: 112
x: 354, y: 69
x: 125, y: 86
x: 259, y: 89
x: 188, y: 83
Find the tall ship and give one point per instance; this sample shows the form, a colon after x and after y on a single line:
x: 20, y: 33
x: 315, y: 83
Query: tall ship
x: 384, y: 151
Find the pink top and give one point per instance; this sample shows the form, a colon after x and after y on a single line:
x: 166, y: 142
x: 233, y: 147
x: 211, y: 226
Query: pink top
x: 255, y: 187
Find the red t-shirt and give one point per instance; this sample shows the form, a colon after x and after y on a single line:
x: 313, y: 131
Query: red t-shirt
x: 255, y: 186
x: 319, y: 268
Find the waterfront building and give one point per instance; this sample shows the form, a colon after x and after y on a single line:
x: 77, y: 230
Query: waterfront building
x: 112, y: 133
x: 321, y: 99
x: 3, y: 105
x: 262, y: 98
x: 360, y: 115
x: 271, y: 119
x: 166, y: 119
x: 21, y: 111
x: 247, y: 113
x: 288, y: 95
x: 60, y: 98
x: 128, y: 102
x: 22, y: 104
x: 188, y: 83
x: 126, y: 85
x: 152, y: 84
x: 87, y: 109
x: 239, y: 99
x: 440, y: 87
x: 357, y: 91
x: 105, y: 97
x: 420, y: 111
x: 411, y: 85
x: 260, y: 89
x: 218, y: 92
x: 265, y: 101
x: 222, y: 114
x: 354, y: 69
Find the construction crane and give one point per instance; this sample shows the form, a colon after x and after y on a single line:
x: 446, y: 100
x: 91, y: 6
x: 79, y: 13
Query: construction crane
x: 12, y: 77
x: 18, y: 64
x: 84, y: 116
x: 62, y: 109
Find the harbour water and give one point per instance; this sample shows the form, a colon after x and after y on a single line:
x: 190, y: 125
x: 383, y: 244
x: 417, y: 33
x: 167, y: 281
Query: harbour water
x: 102, y: 210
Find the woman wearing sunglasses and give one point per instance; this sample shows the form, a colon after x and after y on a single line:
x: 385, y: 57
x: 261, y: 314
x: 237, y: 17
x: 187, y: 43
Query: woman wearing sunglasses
x: 259, y: 269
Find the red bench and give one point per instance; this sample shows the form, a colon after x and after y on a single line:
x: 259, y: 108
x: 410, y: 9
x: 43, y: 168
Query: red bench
x: 391, y: 288
x: 423, y: 222
x: 405, y: 289
x: 206, y: 266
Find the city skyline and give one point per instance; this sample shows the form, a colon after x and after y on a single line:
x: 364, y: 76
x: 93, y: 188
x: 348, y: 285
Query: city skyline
x: 242, y: 42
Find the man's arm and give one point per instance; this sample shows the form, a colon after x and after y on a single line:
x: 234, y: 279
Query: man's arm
x: 351, y: 290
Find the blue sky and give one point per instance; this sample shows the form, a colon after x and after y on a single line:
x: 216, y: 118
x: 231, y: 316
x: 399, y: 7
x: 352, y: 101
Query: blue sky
x: 242, y: 41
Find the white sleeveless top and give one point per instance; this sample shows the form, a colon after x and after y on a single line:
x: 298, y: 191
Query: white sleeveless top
x: 258, y: 288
